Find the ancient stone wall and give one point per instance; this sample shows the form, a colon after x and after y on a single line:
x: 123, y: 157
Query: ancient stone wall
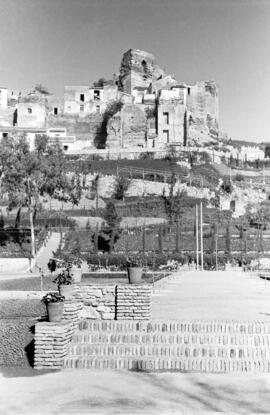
x: 134, y: 126
x: 83, y: 127
x: 127, y: 128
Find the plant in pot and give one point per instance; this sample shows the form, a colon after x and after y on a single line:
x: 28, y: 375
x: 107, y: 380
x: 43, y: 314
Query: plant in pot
x: 54, y: 303
x: 134, y: 269
x: 64, y: 283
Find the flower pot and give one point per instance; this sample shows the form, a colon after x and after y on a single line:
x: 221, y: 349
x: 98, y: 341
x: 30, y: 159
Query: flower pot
x: 135, y: 275
x: 55, y: 311
x: 67, y: 291
x: 76, y: 274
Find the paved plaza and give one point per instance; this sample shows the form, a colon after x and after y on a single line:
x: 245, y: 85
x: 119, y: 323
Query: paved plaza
x: 114, y: 392
x: 184, y: 296
x: 212, y: 295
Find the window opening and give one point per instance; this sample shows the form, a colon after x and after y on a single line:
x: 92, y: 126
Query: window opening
x: 97, y: 94
x: 166, y: 117
x: 166, y: 135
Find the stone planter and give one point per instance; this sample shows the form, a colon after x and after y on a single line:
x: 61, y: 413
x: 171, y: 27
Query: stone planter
x: 135, y: 275
x: 55, y: 311
x: 76, y: 274
x: 67, y: 291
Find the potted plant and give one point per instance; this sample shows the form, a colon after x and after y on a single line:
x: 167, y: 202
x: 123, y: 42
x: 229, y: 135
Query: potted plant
x: 54, y: 303
x: 134, y: 269
x: 64, y: 283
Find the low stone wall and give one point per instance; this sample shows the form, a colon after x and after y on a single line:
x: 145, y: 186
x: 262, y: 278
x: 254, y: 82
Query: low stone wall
x: 123, y: 302
x: 98, y: 301
x: 133, y: 302
x: 51, y: 344
x: 52, y: 339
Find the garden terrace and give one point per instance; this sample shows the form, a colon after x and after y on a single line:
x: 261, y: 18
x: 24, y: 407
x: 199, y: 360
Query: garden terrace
x: 154, y: 241
x: 110, y: 166
x: 43, y: 219
x: 46, y: 283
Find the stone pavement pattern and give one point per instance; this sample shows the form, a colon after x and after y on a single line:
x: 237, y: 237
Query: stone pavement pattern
x: 212, y: 295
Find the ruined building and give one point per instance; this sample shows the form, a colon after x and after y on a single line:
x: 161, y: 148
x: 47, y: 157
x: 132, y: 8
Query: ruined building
x: 141, y: 107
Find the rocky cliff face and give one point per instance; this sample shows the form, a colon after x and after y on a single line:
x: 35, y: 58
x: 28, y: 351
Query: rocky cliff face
x: 202, y: 113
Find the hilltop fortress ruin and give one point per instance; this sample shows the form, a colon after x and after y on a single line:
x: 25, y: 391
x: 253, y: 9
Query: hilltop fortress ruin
x: 142, y: 107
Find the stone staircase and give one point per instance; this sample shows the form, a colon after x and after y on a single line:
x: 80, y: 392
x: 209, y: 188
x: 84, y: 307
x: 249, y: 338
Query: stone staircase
x: 199, y: 346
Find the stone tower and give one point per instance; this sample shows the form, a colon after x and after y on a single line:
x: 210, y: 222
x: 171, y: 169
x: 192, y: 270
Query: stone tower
x: 138, y: 69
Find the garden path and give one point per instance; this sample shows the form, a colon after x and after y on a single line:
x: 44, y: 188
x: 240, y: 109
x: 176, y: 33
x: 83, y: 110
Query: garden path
x: 212, y: 295
x: 47, y: 251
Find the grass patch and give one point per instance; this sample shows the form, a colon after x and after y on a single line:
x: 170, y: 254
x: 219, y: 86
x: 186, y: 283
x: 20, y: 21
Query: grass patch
x: 28, y: 284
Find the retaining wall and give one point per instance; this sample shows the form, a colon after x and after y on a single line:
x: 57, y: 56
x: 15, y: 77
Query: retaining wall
x: 126, y: 302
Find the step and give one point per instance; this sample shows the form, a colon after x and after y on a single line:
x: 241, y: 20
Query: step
x: 249, y: 339
x: 166, y: 351
x: 183, y: 365
x: 194, y: 326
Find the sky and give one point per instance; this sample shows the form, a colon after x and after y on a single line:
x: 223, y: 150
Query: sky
x: 76, y: 42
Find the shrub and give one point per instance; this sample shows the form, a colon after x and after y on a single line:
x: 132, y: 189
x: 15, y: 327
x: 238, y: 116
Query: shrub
x: 64, y: 277
x: 239, y: 178
x: 147, y: 156
x: 227, y: 185
x: 121, y: 187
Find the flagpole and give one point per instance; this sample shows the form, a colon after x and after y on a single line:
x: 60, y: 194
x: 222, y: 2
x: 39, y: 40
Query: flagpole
x: 201, y: 238
x: 197, y: 236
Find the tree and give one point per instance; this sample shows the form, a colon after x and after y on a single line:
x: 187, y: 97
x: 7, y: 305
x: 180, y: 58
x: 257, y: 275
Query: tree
x: 258, y: 215
x: 110, y: 215
x: 94, y: 188
x: 110, y: 233
x: 173, y: 203
x: 121, y: 186
x: 26, y: 176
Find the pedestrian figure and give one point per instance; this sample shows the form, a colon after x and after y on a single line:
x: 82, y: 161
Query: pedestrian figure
x: 52, y: 265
